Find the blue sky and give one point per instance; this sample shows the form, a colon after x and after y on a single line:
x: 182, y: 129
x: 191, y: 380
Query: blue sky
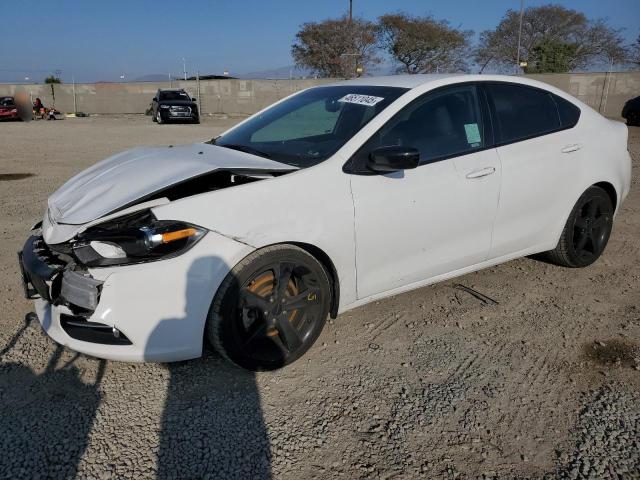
x: 101, y: 40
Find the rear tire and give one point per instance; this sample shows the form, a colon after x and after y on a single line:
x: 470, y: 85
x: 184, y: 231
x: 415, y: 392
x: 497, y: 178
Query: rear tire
x: 587, y: 231
x: 270, y: 309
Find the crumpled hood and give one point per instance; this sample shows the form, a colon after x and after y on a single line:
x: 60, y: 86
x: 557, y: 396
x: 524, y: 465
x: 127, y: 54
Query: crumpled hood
x: 131, y: 175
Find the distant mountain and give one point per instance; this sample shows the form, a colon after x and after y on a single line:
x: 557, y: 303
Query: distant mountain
x: 153, y: 77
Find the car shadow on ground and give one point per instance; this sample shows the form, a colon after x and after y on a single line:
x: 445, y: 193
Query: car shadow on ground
x: 212, y: 423
x: 53, y: 449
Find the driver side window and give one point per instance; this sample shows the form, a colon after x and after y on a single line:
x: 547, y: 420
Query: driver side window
x: 440, y: 124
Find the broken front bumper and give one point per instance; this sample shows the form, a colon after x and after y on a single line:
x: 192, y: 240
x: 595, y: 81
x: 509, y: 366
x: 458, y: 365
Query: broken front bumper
x: 45, y: 276
x: 152, y: 311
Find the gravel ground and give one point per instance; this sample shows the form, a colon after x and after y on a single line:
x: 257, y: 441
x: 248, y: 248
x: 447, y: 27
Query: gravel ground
x: 434, y: 383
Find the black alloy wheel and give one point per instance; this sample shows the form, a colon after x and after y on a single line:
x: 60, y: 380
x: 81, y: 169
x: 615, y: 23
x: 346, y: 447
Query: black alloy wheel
x: 587, y: 230
x: 591, y: 228
x: 270, y: 309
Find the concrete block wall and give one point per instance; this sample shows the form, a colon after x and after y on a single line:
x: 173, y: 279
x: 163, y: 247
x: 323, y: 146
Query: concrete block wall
x: 231, y: 96
x: 605, y: 92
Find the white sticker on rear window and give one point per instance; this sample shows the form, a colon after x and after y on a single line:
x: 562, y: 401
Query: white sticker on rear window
x: 366, y: 100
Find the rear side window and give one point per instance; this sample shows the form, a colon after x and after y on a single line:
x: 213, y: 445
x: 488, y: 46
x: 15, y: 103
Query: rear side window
x: 522, y: 112
x: 569, y: 113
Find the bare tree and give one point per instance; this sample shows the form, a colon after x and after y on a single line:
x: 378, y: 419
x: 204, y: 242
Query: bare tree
x: 336, y: 47
x: 634, y: 53
x: 423, y: 44
x: 586, y: 40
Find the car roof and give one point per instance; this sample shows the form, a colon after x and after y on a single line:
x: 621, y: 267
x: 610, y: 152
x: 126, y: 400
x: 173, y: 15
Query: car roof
x: 418, y: 80
x: 171, y: 89
x: 403, y: 81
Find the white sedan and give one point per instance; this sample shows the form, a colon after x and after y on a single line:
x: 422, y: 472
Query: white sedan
x: 327, y: 200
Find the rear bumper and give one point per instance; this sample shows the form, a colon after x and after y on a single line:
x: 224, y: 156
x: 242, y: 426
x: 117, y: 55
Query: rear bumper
x: 146, y: 312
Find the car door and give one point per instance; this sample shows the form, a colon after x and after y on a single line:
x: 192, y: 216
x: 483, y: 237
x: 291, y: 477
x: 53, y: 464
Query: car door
x: 416, y: 224
x: 538, y: 151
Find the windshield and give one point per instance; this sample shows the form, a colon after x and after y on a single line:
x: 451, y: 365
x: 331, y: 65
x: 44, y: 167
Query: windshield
x: 6, y: 101
x: 174, y: 96
x: 310, y: 127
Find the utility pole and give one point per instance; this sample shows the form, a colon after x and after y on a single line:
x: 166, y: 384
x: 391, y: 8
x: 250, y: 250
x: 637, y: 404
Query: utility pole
x: 519, y: 36
x: 184, y: 68
x: 353, y: 54
x: 198, y: 90
x: 75, y: 104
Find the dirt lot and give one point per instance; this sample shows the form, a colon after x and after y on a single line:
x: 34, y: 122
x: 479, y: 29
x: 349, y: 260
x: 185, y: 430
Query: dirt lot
x: 430, y: 384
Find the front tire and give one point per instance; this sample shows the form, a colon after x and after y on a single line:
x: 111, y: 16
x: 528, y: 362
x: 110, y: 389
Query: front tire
x: 587, y: 231
x: 270, y: 309
x: 159, y: 120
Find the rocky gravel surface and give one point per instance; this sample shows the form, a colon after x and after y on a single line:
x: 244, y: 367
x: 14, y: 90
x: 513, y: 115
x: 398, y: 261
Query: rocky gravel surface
x: 543, y: 383
x: 607, y: 437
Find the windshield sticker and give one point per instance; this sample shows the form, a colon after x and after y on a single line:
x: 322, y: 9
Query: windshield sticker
x: 366, y: 100
x: 473, y: 134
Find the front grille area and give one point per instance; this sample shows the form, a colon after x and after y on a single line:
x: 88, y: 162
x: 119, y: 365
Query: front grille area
x: 47, y: 275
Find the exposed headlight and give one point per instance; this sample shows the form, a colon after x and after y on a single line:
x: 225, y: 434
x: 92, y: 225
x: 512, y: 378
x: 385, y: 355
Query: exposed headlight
x: 135, y: 239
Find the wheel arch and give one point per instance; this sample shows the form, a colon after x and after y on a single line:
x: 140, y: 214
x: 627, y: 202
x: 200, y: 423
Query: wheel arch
x: 611, y: 191
x: 328, y: 265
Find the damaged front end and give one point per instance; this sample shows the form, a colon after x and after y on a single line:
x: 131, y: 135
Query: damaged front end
x: 60, y: 273
x: 56, y: 278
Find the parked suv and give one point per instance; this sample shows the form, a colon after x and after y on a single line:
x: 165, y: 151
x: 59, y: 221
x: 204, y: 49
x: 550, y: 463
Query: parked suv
x: 174, y: 104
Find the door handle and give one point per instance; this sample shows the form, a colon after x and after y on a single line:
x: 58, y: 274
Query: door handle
x: 571, y: 148
x: 483, y: 172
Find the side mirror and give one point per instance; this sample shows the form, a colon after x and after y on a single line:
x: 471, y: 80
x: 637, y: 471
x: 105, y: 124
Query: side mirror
x: 393, y: 158
x: 155, y: 99
x: 194, y: 99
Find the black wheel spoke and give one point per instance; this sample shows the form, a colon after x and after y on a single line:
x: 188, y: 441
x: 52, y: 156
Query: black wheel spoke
x: 580, y: 223
x: 282, y: 275
x: 257, y: 330
x: 582, y: 241
x: 288, y: 333
x: 599, y: 222
x: 309, y: 297
x: 253, y: 300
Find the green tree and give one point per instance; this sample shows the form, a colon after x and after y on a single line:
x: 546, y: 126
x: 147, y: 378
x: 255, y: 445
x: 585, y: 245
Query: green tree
x: 423, y: 44
x: 552, y: 56
x: 594, y: 40
x: 336, y: 47
x: 52, y: 79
